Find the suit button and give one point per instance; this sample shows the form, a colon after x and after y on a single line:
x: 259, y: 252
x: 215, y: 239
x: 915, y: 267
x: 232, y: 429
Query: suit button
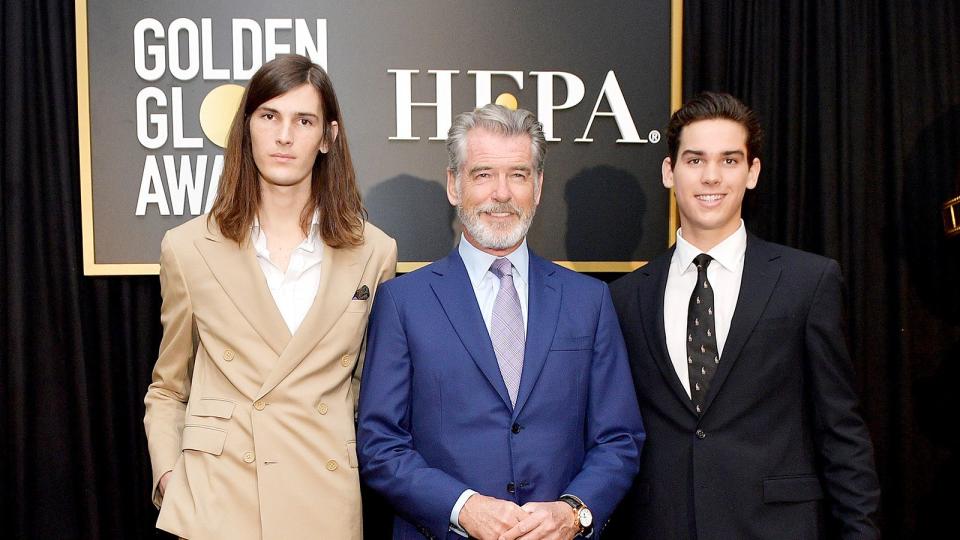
x: 331, y: 465
x: 249, y: 457
x: 516, y: 428
x: 345, y: 360
x: 323, y: 408
x: 229, y: 355
x: 701, y: 434
x: 511, y: 488
x: 259, y: 405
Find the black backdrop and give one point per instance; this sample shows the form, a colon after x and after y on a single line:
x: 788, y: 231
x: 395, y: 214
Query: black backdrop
x: 861, y: 104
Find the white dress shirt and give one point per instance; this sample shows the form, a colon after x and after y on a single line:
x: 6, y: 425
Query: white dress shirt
x: 485, y: 288
x: 294, y: 290
x: 724, y: 273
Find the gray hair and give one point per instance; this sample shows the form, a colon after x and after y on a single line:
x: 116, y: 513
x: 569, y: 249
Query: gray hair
x: 499, y: 120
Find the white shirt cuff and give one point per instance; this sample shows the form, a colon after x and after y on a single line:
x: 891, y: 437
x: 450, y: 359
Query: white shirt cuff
x: 455, y: 513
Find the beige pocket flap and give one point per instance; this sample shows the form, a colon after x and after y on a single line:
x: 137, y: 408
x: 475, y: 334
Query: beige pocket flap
x: 219, y: 408
x: 352, y: 454
x: 203, y: 438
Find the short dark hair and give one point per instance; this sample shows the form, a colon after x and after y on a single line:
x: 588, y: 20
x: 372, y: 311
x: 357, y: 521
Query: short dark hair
x: 713, y: 105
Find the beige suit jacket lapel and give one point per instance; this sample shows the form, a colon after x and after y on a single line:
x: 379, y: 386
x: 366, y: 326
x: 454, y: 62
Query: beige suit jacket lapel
x: 237, y: 271
x: 340, y: 276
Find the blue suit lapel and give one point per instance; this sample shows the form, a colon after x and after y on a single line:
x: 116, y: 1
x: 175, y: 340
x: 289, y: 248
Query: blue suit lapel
x: 543, y: 305
x: 452, y: 286
x: 760, y: 276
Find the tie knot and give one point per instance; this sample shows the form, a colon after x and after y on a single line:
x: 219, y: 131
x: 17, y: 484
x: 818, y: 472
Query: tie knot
x: 702, y: 261
x: 501, y: 267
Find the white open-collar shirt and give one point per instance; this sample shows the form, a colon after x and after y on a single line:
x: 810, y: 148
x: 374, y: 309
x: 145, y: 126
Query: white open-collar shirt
x: 294, y: 290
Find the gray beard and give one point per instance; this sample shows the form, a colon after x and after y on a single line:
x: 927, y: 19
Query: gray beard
x: 496, y: 237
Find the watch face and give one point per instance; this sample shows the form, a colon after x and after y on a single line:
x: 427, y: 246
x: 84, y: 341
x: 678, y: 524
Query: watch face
x: 586, y: 517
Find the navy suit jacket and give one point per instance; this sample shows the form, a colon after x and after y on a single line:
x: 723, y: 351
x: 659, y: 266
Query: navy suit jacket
x: 435, y: 418
x: 780, y: 450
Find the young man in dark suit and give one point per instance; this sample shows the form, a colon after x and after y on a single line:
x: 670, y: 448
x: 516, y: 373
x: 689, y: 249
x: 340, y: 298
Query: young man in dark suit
x: 740, y: 364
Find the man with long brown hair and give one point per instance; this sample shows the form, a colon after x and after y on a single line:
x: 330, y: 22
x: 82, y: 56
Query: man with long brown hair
x: 250, y: 415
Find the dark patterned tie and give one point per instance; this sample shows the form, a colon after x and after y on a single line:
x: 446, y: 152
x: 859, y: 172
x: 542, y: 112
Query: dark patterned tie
x: 702, y: 354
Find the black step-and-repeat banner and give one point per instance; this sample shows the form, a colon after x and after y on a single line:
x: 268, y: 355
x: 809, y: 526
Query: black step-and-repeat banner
x: 159, y: 83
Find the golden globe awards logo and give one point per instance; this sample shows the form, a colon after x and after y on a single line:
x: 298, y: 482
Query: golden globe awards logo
x: 158, y: 85
x: 180, y: 178
x: 185, y: 181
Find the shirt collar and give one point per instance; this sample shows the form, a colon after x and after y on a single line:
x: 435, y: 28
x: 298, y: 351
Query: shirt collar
x: 311, y: 244
x: 729, y: 253
x: 478, y: 262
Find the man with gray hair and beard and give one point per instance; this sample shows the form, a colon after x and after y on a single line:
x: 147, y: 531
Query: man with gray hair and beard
x: 496, y: 400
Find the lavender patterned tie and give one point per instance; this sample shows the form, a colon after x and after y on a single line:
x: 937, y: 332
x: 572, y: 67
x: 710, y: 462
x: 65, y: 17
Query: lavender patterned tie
x: 506, y: 329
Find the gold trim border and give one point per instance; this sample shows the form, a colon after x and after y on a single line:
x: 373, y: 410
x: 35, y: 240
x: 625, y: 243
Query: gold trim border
x: 676, y: 98
x: 83, y: 126
x: 576, y: 266
x: 121, y: 269
x: 91, y: 268
x: 134, y: 269
x: 951, y: 217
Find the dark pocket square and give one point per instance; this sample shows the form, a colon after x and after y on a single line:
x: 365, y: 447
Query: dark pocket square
x: 363, y: 293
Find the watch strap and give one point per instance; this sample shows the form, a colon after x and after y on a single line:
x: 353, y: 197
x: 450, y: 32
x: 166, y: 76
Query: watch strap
x: 576, y: 504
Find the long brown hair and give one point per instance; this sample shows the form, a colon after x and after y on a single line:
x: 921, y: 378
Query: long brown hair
x: 333, y: 185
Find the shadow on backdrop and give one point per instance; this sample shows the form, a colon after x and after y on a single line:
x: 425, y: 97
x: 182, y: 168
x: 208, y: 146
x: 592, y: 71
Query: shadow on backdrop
x: 613, y: 194
x: 415, y: 212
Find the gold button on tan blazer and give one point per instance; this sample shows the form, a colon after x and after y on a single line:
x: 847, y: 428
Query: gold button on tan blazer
x: 256, y: 424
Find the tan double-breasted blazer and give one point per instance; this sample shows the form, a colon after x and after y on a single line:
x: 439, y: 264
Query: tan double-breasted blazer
x: 256, y: 425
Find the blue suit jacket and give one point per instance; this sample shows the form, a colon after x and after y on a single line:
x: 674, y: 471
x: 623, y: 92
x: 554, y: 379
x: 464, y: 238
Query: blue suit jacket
x: 435, y: 418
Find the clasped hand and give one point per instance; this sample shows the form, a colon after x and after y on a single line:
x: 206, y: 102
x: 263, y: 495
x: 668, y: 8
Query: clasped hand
x: 488, y: 518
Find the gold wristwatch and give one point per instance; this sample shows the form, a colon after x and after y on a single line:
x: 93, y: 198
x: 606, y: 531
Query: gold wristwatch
x: 583, y: 518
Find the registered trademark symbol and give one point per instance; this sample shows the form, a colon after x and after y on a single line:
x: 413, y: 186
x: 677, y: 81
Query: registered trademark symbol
x: 653, y: 136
